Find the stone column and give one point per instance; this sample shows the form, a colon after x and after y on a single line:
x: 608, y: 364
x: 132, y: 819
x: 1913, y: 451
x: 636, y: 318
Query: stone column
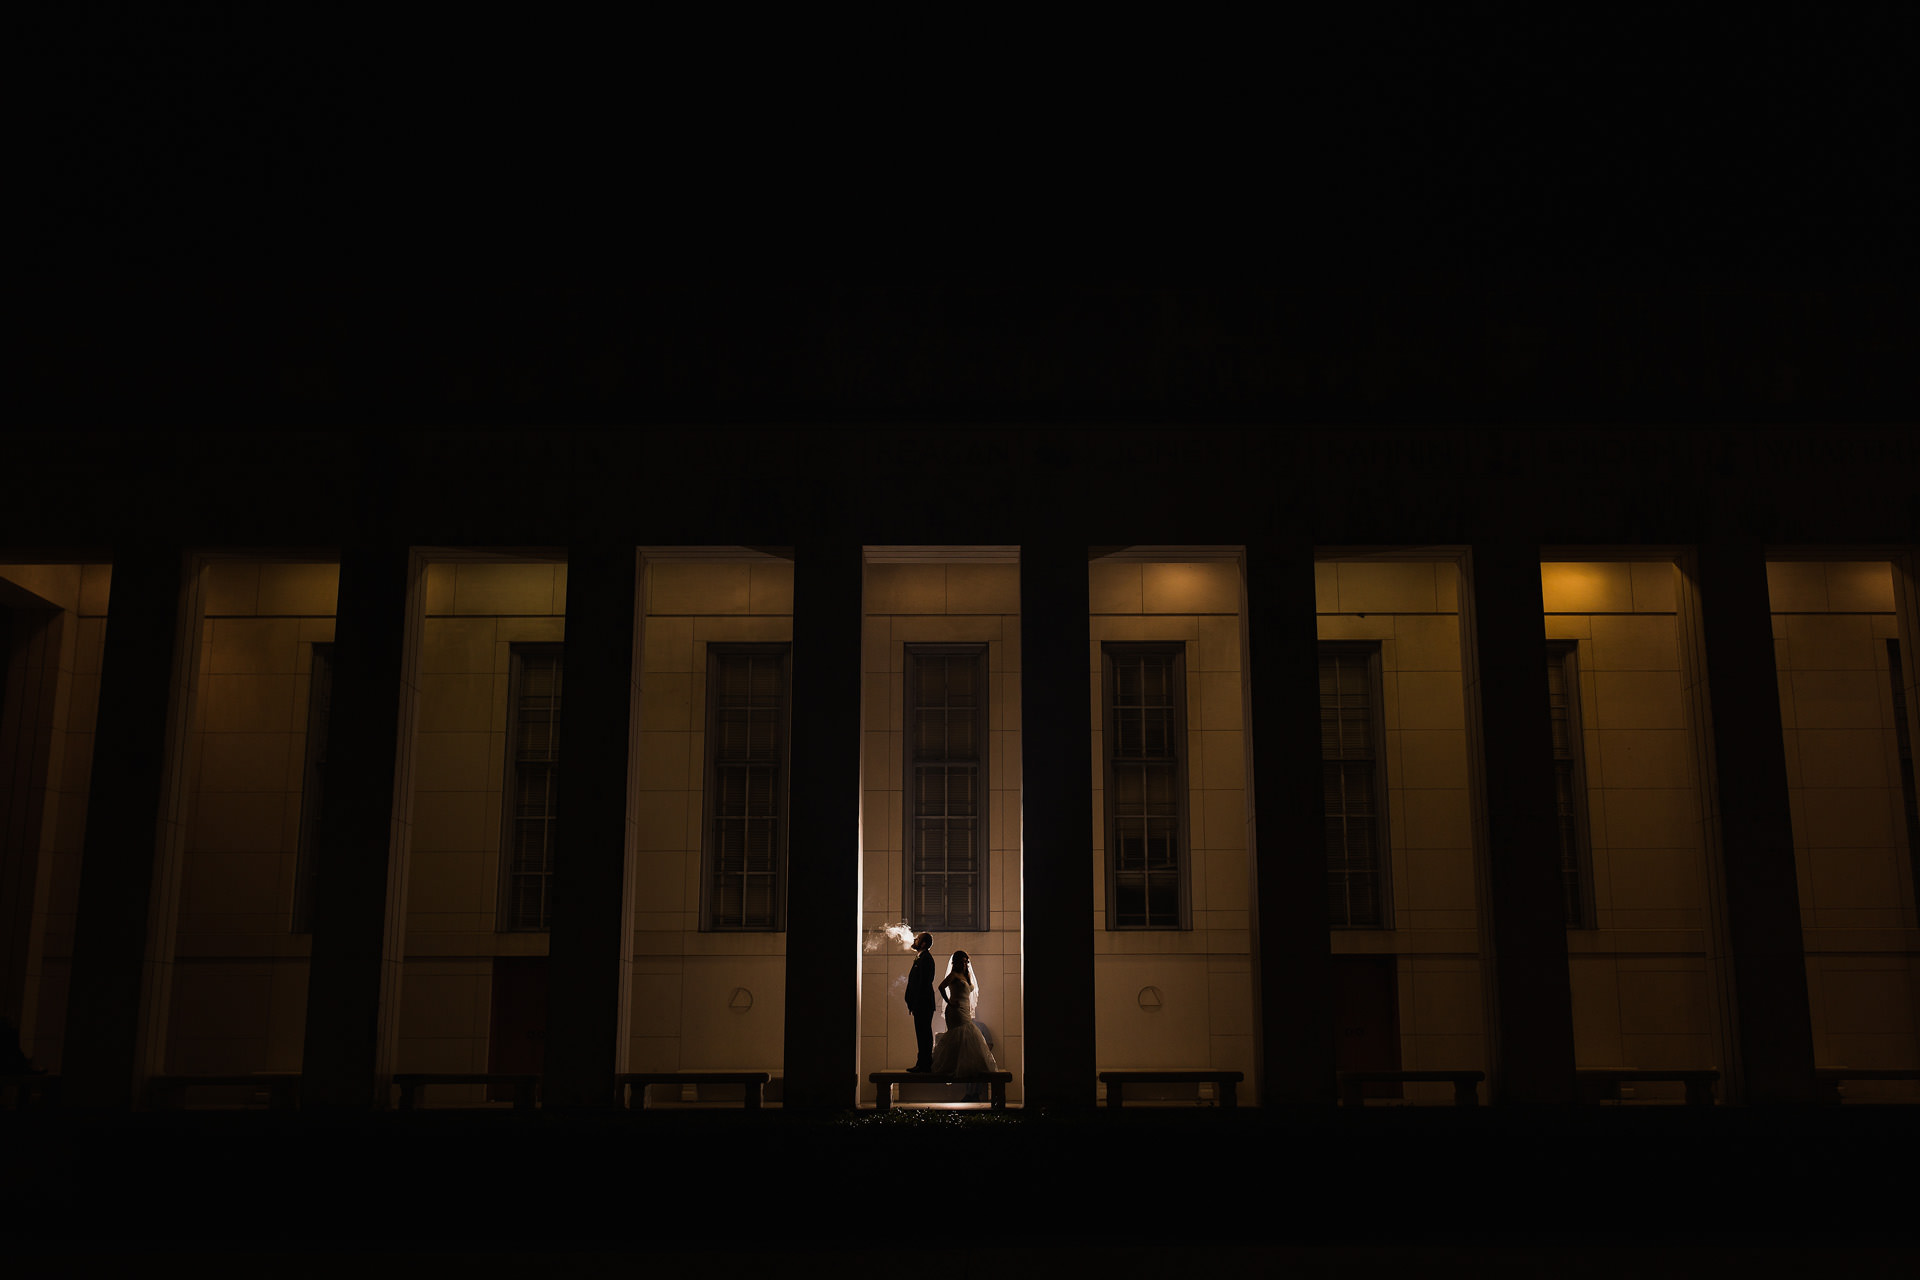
x: 823, y: 844
x: 1523, y: 938
x: 36, y: 668
x: 127, y: 914
x: 1293, y: 1045
x: 1758, y: 958
x: 365, y: 832
x: 1906, y: 596
x: 1056, y: 828
x: 590, y: 957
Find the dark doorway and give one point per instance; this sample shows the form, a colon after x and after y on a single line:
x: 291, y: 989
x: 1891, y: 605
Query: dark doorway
x: 1366, y: 1013
x: 517, y: 1031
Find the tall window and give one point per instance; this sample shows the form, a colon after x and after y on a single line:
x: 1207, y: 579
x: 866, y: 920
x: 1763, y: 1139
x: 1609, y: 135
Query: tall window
x: 1903, y: 741
x: 312, y: 783
x: 1570, y: 785
x: 1351, y: 770
x: 946, y: 816
x: 532, y: 785
x: 746, y: 838
x: 1146, y: 785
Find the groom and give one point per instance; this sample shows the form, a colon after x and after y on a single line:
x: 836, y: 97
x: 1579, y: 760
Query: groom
x: 920, y: 1001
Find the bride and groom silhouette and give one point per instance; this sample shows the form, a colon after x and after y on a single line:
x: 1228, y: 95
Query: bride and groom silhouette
x: 961, y: 1050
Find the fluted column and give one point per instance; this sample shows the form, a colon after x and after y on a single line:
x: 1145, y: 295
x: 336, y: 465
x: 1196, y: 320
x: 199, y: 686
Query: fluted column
x: 130, y: 867
x: 823, y: 846
x: 590, y: 958
x: 1293, y: 1046
x: 1523, y: 938
x: 1758, y: 957
x: 1056, y: 828
x: 365, y: 832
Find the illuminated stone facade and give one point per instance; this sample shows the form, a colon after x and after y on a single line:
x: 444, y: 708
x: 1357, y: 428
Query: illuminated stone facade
x: 1653, y: 970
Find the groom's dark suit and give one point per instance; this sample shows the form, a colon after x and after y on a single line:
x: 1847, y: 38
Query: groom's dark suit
x: 920, y: 1004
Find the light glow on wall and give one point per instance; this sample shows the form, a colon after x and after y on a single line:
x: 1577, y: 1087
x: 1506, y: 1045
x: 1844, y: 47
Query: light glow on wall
x: 1585, y: 587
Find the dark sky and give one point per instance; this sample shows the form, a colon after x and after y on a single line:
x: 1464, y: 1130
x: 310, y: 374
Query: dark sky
x: 1332, y: 217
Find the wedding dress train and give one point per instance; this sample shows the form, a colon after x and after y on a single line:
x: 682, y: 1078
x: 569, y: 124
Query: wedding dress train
x: 961, y: 1050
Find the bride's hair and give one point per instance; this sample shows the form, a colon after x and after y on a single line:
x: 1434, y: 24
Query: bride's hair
x: 962, y: 966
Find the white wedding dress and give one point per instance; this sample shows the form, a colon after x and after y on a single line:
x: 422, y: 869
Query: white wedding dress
x: 961, y: 1050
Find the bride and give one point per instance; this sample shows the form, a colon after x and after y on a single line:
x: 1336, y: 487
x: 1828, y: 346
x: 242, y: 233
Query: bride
x: 961, y: 1050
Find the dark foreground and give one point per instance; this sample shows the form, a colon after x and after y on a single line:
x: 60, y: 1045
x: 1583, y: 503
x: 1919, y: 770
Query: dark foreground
x: 1605, y: 1191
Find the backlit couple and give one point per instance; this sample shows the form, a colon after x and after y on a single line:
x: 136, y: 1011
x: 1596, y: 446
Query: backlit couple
x: 961, y: 1050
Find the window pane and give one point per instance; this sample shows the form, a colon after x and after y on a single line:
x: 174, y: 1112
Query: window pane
x: 1349, y: 776
x: 533, y: 787
x: 1145, y: 735
x: 746, y: 748
x: 1568, y: 786
x: 945, y: 850
x: 313, y: 784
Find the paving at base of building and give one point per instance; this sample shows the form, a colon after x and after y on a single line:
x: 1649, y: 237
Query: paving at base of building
x: 714, y: 1182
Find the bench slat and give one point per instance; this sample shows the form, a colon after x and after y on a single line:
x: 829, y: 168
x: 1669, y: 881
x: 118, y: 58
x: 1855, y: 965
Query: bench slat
x: 752, y: 1083
x: 884, y: 1081
x: 1117, y: 1082
x: 1466, y: 1091
x: 282, y: 1087
x: 524, y: 1084
x: 1596, y: 1083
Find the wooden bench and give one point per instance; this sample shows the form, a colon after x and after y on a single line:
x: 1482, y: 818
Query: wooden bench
x: 523, y: 1085
x: 281, y: 1087
x: 1597, y: 1084
x: 1466, y: 1084
x: 1117, y: 1082
x: 884, y: 1081
x: 633, y: 1084
x: 1827, y: 1080
x: 27, y: 1083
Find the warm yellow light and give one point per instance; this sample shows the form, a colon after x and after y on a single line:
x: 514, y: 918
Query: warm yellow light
x: 1582, y: 586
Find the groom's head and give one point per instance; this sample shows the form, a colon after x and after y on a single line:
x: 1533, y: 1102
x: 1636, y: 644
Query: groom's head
x: 923, y: 942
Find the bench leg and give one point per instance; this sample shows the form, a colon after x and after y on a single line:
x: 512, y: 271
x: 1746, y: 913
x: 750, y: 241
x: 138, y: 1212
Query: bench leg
x: 999, y: 1095
x: 406, y: 1097
x: 1350, y: 1093
x: 1466, y: 1093
x: 1229, y: 1094
x: 1699, y: 1093
x: 883, y: 1095
x: 1114, y: 1090
x: 750, y: 1093
x: 523, y: 1096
